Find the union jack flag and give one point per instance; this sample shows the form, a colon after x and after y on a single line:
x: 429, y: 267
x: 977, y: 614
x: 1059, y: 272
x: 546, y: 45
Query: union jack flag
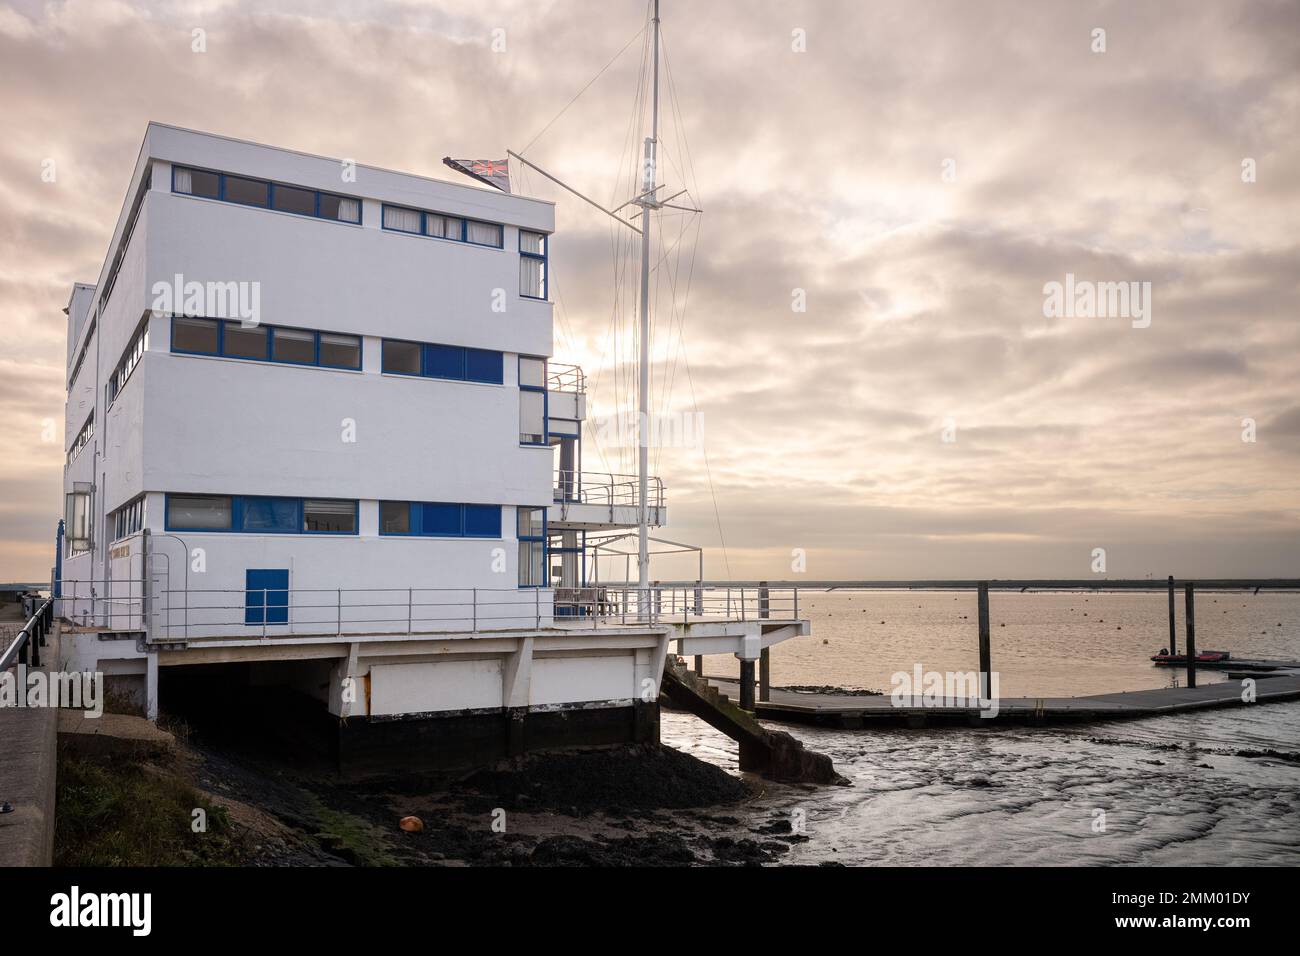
x: 494, y: 172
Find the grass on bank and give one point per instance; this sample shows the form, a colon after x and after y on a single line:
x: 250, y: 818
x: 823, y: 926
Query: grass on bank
x: 125, y: 812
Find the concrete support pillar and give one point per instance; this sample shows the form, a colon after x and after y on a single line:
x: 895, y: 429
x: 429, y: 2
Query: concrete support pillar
x: 347, y: 695
x: 746, y: 685
x: 517, y: 678
x: 151, y: 686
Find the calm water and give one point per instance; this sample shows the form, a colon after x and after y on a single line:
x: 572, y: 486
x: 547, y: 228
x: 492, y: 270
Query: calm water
x: 1173, y: 789
x: 1052, y: 644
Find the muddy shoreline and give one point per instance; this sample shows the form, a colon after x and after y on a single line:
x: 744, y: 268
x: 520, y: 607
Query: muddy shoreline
x: 636, y: 805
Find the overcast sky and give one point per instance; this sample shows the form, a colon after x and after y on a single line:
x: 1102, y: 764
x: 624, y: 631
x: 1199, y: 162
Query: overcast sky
x: 921, y: 171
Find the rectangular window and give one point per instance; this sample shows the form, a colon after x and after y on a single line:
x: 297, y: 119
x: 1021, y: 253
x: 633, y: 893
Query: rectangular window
x: 532, y: 417
x: 199, y: 512
x: 401, y: 357
x: 484, y: 365
x: 293, y: 199
x: 196, y: 182
x: 298, y: 200
x: 482, y: 521
x: 79, y: 517
x: 293, y: 345
x: 340, y: 351
x: 249, y: 192
x: 532, y: 372
x: 443, y: 227
x: 131, y: 357
x: 129, y: 519
x: 329, y: 516
x: 532, y: 264
x: 444, y: 361
x: 340, y: 207
x: 195, y: 335
x: 531, y: 523
x: 441, y: 519
x: 83, y: 438
x: 241, y: 342
x: 269, y: 515
x: 483, y: 233
x: 403, y: 220
x: 394, y: 517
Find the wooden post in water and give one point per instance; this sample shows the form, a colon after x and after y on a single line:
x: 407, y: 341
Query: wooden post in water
x: 986, y: 665
x: 1189, y: 590
x: 699, y: 665
x: 1173, y: 622
x: 764, y: 658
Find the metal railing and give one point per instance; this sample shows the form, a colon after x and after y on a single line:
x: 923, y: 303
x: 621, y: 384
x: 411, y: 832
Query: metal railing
x: 601, y: 488
x: 176, y: 615
x: 565, y: 378
x: 26, y: 646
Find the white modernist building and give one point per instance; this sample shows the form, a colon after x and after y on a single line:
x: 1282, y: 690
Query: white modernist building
x: 314, y: 435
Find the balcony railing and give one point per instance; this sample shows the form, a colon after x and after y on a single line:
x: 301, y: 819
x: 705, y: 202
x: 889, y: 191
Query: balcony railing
x: 600, y: 488
x: 565, y: 378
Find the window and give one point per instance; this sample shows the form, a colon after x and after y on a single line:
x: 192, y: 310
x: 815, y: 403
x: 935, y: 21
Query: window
x: 401, y: 357
x: 237, y: 341
x: 403, y: 220
x: 531, y: 524
x: 453, y: 362
x: 135, y: 350
x: 440, y: 226
x: 291, y: 346
x: 394, y: 517
x: 195, y: 335
x: 293, y: 199
x: 199, y: 512
x: 439, y: 519
x: 329, y: 516
x: 340, y: 351
x: 83, y: 438
x: 129, y: 519
x: 532, y: 264
x: 532, y: 401
x: 250, y: 192
x: 261, y: 514
x: 269, y: 515
x: 79, y: 517
x: 256, y: 192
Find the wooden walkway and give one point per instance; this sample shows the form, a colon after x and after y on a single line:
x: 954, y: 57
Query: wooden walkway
x: 853, y: 712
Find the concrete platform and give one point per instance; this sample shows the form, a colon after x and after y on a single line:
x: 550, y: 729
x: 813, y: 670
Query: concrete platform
x: 852, y: 712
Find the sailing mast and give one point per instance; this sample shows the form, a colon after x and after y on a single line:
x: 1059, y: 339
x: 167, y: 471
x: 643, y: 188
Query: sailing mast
x: 647, y: 202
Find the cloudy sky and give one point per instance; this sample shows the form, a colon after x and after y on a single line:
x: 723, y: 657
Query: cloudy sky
x: 888, y: 187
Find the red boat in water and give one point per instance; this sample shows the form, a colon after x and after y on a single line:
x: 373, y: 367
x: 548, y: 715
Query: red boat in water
x: 1202, y: 657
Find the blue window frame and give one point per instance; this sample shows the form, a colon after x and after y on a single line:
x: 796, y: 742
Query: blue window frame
x: 265, y: 194
x: 453, y: 362
x: 533, y: 255
x: 534, y: 403
x: 193, y: 335
x: 439, y: 519
x: 266, y: 595
x: 531, y: 529
x: 437, y: 225
x: 260, y: 514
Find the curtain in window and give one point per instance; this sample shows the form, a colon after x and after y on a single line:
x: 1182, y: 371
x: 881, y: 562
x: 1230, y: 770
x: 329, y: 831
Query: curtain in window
x: 350, y: 210
x: 530, y: 277
x: 532, y: 417
x: 270, y: 514
x: 184, y: 181
x: 484, y: 233
x: 407, y: 220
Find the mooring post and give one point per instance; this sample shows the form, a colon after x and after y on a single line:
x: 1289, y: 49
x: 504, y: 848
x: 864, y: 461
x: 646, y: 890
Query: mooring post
x: 764, y: 656
x: 1189, y: 590
x: 746, y: 685
x: 699, y: 665
x: 1173, y: 623
x: 986, y: 665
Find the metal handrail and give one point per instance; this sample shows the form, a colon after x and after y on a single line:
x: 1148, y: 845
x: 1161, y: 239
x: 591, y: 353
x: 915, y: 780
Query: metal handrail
x: 26, y: 646
x: 603, y: 488
x: 565, y: 378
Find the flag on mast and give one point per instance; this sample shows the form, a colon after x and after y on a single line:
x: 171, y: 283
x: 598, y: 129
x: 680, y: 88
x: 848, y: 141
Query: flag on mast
x: 494, y: 172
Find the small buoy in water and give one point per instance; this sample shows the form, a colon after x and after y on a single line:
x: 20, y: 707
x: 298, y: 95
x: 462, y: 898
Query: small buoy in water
x: 824, y: 641
x: 882, y: 622
x: 412, y: 824
x: 1119, y: 628
x: 1001, y: 625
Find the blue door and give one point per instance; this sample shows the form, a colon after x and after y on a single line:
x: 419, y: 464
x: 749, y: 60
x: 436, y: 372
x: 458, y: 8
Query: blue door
x: 266, y: 595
